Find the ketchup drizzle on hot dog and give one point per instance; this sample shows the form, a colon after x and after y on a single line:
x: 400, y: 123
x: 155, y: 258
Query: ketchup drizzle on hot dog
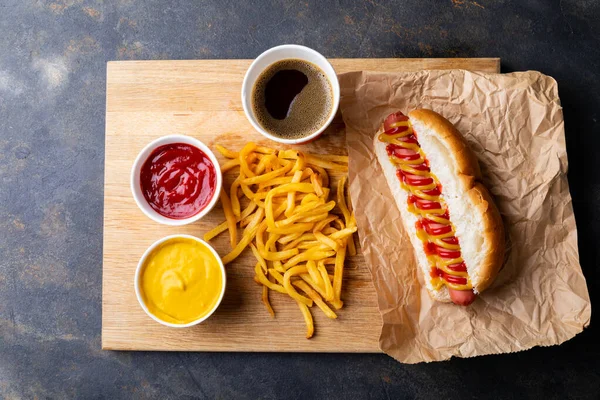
x: 434, y: 228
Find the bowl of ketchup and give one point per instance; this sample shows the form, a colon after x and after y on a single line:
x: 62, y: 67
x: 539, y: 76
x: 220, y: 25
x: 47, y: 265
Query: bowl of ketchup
x: 176, y: 180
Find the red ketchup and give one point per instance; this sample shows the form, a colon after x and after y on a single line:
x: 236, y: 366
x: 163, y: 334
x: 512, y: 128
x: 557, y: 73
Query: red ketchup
x: 178, y: 180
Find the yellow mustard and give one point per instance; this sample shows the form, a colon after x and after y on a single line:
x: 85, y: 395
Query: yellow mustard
x: 181, y: 281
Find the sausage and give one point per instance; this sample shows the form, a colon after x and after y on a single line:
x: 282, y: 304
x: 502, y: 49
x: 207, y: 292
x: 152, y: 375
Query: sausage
x: 462, y: 297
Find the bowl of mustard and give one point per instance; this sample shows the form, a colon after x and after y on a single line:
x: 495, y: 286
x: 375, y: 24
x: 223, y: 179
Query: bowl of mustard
x: 180, y: 281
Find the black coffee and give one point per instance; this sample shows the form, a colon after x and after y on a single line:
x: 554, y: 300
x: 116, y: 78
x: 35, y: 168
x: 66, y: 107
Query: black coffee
x: 292, y: 98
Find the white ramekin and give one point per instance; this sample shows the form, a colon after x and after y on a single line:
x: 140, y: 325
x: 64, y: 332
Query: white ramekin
x: 284, y: 52
x: 138, y: 272
x: 136, y: 188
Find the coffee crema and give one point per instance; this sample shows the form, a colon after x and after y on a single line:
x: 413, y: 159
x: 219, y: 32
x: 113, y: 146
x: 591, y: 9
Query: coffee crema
x: 292, y: 99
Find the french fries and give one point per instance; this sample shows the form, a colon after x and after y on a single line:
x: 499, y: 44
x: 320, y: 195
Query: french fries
x: 230, y: 217
x: 281, y: 199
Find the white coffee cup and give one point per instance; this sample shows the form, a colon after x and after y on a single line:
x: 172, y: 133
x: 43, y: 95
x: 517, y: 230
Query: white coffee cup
x: 285, y: 52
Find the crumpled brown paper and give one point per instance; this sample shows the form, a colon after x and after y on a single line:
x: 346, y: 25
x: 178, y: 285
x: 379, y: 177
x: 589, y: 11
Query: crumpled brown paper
x: 514, y: 124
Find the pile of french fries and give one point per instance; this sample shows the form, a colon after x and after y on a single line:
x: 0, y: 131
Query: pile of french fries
x: 281, y: 200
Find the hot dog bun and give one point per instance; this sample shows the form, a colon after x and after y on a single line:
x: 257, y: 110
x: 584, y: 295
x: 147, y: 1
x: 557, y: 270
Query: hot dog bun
x: 477, y: 222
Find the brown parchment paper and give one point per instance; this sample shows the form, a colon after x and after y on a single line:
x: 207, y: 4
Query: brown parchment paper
x: 514, y: 124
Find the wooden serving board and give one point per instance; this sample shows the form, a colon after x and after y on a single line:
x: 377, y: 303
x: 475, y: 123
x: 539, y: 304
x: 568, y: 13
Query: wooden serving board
x: 148, y: 99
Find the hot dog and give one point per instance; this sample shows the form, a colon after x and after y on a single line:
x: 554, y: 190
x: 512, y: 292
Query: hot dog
x: 450, y: 217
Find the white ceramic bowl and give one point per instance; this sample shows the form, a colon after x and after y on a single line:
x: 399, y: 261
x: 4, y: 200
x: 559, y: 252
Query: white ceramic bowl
x: 138, y: 272
x: 285, y: 52
x: 136, y: 188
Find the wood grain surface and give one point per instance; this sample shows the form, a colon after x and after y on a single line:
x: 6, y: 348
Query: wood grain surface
x: 148, y: 99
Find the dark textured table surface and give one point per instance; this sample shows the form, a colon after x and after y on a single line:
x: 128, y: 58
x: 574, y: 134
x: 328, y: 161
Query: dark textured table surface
x: 53, y: 56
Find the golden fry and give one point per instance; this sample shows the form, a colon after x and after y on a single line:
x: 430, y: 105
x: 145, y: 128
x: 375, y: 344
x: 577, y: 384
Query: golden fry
x: 322, y: 224
x: 245, y: 221
x: 297, y: 187
x: 260, y: 242
x: 307, y: 200
x: 261, y: 194
x: 226, y: 153
x: 230, y: 217
x: 272, y: 239
x: 310, y: 327
x: 349, y: 203
x: 312, y: 244
x: 287, y: 224
x: 277, y: 265
x: 306, y: 278
x: 291, y: 200
x: 314, y: 179
x: 266, y: 163
x: 331, y: 157
x: 229, y: 164
x: 280, y: 255
x: 247, y: 192
x: 347, y: 215
x: 248, y: 210
x: 246, y: 239
x: 233, y: 197
x: 252, y: 159
x: 341, y: 200
x: 275, y: 274
x: 316, y: 161
x: 275, y: 182
x: 342, y: 234
x: 337, y: 304
x: 265, y: 150
x: 287, y: 284
x: 316, y: 298
x: 351, y: 246
x: 289, y: 154
x: 338, y: 272
x: 288, y: 238
x: 294, y: 228
x: 329, y: 230
x: 222, y: 227
x: 303, y: 237
x: 245, y: 168
x: 246, y: 215
x: 307, y: 255
x: 322, y: 174
x: 259, y: 258
x: 266, y: 302
x: 326, y: 282
x: 319, y: 210
x: 338, y: 225
x: 254, y: 222
x: 314, y: 273
x: 249, y: 234
x: 266, y: 282
x: 266, y: 177
x: 300, y: 163
x: 327, y: 241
